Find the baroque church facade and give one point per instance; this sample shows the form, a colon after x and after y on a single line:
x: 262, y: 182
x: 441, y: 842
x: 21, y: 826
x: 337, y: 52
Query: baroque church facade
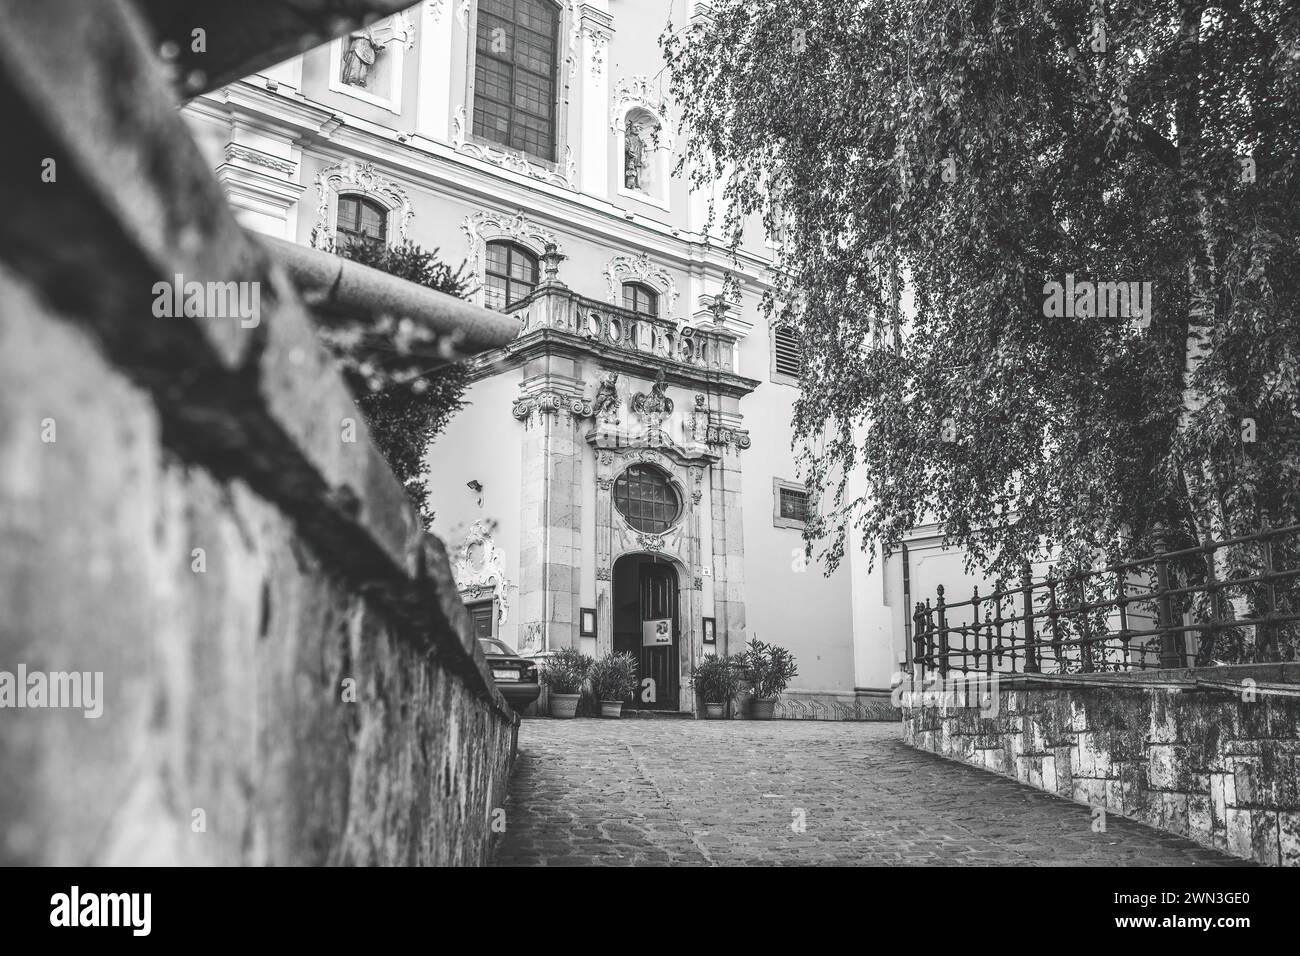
x: 627, y: 458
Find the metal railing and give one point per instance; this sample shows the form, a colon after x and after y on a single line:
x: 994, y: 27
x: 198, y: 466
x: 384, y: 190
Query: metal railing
x: 1193, y: 607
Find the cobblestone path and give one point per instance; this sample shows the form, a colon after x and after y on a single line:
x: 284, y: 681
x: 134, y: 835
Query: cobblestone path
x: 727, y: 793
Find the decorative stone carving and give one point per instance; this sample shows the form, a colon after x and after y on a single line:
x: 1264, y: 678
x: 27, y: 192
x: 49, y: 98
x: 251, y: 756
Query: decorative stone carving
x: 361, y: 178
x: 604, y: 574
x: 698, y: 421
x: 729, y: 436
x: 259, y: 158
x: 639, y: 269
x: 599, y: 44
x: 636, y: 93
x: 605, y: 483
x: 651, y: 542
x: 549, y: 402
x: 509, y: 159
x: 478, y: 567
x: 654, y: 402
x: 698, y: 583
x: 366, y: 45
x: 606, y: 403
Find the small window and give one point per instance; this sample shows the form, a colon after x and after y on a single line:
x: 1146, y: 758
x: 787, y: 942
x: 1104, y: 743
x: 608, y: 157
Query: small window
x: 792, y: 506
x: 647, y: 499
x: 638, y: 298
x: 516, y: 74
x: 361, y: 220
x: 510, y: 275
x: 785, y: 352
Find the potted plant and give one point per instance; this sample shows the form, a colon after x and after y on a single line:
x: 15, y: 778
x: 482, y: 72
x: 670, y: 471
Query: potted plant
x: 564, y: 674
x: 716, y: 681
x: 614, y: 679
x: 768, y: 668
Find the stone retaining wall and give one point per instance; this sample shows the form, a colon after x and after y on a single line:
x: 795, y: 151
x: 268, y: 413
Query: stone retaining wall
x: 226, y: 626
x: 1217, y: 767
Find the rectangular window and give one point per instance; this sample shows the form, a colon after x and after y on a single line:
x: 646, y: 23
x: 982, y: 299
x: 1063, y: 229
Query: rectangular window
x: 792, y: 506
x: 516, y: 74
x: 785, y: 352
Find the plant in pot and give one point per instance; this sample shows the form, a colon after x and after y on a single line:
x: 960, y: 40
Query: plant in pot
x: 564, y: 674
x: 716, y: 681
x: 614, y: 679
x: 768, y: 668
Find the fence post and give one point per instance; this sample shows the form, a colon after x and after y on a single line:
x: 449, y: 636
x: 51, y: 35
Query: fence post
x: 1031, y: 651
x: 943, y: 635
x: 1266, y: 641
x: 1169, y: 655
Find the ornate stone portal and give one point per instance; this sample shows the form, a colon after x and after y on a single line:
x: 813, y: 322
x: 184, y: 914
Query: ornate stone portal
x: 479, y: 569
x: 591, y: 407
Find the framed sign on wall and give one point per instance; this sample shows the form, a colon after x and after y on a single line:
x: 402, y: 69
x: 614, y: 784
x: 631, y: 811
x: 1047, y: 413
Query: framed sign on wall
x: 587, y: 622
x: 710, y: 631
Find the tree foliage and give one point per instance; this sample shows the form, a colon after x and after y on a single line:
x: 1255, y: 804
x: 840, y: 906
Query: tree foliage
x: 966, y: 152
x: 404, y: 388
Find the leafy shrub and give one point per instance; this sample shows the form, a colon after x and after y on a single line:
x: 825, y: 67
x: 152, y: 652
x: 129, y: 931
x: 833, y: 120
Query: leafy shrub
x: 716, y: 679
x: 566, y: 670
x: 615, y: 677
x: 406, y: 392
x: 768, y: 667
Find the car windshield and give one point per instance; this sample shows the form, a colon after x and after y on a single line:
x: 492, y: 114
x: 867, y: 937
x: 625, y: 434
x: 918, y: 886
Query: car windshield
x: 495, y: 647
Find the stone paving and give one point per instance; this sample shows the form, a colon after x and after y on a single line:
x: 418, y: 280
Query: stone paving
x: 728, y: 793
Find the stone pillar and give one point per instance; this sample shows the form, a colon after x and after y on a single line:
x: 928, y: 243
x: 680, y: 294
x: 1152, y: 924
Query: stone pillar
x: 596, y: 139
x: 728, y: 551
x: 550, y: 559
x: 433, y: 98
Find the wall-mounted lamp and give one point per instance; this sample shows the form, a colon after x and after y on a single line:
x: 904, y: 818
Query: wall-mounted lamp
x: 476, y: 486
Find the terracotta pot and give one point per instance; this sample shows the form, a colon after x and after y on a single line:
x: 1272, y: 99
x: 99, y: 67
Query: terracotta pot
x: 611, y: 708
x: 564, y: 705
x: 713, y: 711
x: 761, y: 708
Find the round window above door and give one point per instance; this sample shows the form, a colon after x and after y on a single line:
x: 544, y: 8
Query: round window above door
x: 647, y: 499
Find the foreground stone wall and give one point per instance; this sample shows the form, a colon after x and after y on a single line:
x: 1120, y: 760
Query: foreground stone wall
x: 1217, y: 767
x: 226, y: 627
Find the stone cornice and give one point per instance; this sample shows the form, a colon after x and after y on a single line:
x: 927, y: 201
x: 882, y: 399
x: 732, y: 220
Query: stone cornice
x: 640, y: 365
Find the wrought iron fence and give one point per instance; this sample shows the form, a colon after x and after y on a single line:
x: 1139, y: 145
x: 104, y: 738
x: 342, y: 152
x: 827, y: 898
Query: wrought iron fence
x: 1224, y: 602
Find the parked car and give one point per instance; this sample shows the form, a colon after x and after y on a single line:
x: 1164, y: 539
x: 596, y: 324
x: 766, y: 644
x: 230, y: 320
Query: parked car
x: 515, y: 676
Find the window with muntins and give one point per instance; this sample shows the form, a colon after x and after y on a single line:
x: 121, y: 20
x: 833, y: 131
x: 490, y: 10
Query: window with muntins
x: 641, y: 299
x: 510, y: 275
x: 360, y: 220
x: 516, y: 72
x: 794, y: 504
x: 647, y: 499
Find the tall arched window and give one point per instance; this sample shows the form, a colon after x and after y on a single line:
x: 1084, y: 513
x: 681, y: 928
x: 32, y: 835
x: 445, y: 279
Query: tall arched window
x: 516, y: 73
x: 510, y: 274
x: 361, y: 220
x: 647, y: 499
x: 640, y: 298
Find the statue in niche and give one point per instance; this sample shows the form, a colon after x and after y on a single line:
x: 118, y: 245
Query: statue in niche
x: 634, y: 156
x: 367, y: 45
x: 358, y: 59
x: 605, y: 404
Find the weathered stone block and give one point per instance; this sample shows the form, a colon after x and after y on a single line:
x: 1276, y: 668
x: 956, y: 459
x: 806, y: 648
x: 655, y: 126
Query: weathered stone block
x: 1239, y: 833
x: 1264, y: 836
